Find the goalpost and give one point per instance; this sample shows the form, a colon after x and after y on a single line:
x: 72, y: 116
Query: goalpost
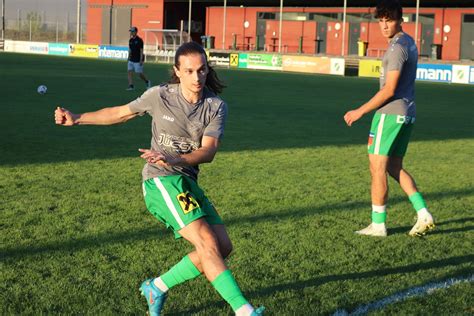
x: 161, y: 44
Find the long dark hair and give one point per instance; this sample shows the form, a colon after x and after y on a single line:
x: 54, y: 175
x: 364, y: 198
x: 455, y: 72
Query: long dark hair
x: 213, y: 83
x: 391, y: 9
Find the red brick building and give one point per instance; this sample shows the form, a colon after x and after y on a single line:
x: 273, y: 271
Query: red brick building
x: 310, y: 30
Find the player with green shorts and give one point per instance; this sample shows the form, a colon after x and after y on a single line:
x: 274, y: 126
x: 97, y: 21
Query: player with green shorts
x: 390, y: 134
x: 177, y: 201
x: 392, y: 123
x: 188, y: 121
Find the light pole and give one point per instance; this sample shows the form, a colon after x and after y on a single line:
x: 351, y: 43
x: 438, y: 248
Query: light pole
x: 344, y: 28
x: 3, y: 19
x: 416, y: 22
x: 189, y: 17
x: 78, y: 22
x: 224, y: 26
x: 279, y: 26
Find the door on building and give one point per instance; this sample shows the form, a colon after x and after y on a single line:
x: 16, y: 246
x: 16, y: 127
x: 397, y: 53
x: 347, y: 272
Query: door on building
x: 106, y: 26
x: 122, y: 20
x: 115, y: 25
x: 427, y: 36
x: 467, y: 37
x: 261, y: 29
x: 321, y: 36
x: 354, y: 35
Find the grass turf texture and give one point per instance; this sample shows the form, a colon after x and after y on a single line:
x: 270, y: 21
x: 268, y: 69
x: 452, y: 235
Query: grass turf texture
x: 291, y: 182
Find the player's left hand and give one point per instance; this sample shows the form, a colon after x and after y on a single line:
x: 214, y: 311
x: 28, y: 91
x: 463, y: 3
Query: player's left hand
x: 152, y: 156
x: 352, y: 116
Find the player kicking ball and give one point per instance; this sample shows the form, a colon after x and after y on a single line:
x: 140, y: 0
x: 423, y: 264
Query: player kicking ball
x: 392, y: 123
x: 187, y: 125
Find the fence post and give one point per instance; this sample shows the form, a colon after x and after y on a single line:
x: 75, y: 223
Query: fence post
x: 234, y: 41
x: 300, y: 45
x: 19, y: 20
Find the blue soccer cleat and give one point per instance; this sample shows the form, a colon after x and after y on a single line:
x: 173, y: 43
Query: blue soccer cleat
x: 258, y: 311
x: 154, y: 297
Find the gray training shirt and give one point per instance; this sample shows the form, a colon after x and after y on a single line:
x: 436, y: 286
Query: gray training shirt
x: 401, y: 55
x: 178, y: 126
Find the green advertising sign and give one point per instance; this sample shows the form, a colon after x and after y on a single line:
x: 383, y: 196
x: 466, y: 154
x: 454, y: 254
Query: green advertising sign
x: 264, y: 61
x: 243, y: 60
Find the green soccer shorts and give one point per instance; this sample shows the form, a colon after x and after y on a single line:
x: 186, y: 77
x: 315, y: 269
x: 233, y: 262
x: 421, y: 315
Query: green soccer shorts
x: 390, y: 134
x: 177, y: 201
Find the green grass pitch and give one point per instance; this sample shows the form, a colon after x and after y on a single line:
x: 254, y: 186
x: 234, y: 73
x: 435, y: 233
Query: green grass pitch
x: 291, y: 182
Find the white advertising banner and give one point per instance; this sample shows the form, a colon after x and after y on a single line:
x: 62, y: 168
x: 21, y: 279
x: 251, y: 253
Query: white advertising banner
x: 26, y: 47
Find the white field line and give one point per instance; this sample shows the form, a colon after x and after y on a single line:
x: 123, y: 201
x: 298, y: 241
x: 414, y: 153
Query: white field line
x: 397, y: 297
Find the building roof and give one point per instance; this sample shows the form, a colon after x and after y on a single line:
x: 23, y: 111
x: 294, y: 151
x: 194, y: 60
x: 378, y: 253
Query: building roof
x: 330, y: 3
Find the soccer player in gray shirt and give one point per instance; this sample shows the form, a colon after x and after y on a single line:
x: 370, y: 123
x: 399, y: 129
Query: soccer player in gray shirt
x: 392, y: 123
x: 187, y: 125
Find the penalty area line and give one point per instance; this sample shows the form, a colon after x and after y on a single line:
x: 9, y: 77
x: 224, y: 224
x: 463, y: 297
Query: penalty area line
x: 400, y: 296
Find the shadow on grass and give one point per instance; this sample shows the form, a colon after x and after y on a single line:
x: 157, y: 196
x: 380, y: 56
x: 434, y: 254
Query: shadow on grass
x: 452, y: 230
x: 318, y: 281
x: 158, y: 231
x: 439, y: 227
x: 436, y: 264
x: 349, y: 206
x: 84, y: 243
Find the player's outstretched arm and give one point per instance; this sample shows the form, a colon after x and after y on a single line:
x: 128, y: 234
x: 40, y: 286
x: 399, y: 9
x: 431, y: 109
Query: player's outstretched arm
x: 105, y: 116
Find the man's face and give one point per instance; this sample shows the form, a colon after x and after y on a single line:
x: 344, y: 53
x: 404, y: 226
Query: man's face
x: 389, y: 27
x: 133, y: 33
x: 192, y: 72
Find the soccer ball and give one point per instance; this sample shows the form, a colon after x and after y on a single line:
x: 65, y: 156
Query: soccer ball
x: 42, y: 89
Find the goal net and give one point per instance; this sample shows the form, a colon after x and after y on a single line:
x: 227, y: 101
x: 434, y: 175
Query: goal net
x: 160, y: 44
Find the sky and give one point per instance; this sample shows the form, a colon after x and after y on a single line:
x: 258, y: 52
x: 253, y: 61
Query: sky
x: 53, y: 9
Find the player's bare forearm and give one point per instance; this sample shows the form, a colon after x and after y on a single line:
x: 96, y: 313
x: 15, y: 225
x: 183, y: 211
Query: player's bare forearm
x: 204, y: 154
x: 376, y: 101
x: 105, y: 116
x: 197, y: 157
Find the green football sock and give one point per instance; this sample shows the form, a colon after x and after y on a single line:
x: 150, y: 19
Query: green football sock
x: 379, y: 214
x: 227, y: 287
x: 379, y: 218
x: 417, y: 201
x: 181, y: 272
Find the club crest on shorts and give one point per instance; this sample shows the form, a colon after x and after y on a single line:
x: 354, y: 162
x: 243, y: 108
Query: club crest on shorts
x: 371, y: 139
x: 187, y: 202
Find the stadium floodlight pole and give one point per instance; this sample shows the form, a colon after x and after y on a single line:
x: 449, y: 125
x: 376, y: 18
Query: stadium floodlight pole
x: 416, y: 21
x: 78, y: 22
x: 189, y: 17
x: 3, y: 19
x: 224, y: 26
x: 279, y: 26
x: 344, y: 28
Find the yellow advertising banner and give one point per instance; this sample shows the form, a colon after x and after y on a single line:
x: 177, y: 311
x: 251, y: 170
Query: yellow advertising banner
x: 370, y: 68
x: 234, y: 60
x: 318, y: 65
x: 83, y: 50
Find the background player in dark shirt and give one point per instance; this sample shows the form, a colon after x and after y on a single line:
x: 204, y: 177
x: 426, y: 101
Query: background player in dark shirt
x: 136, y: 58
